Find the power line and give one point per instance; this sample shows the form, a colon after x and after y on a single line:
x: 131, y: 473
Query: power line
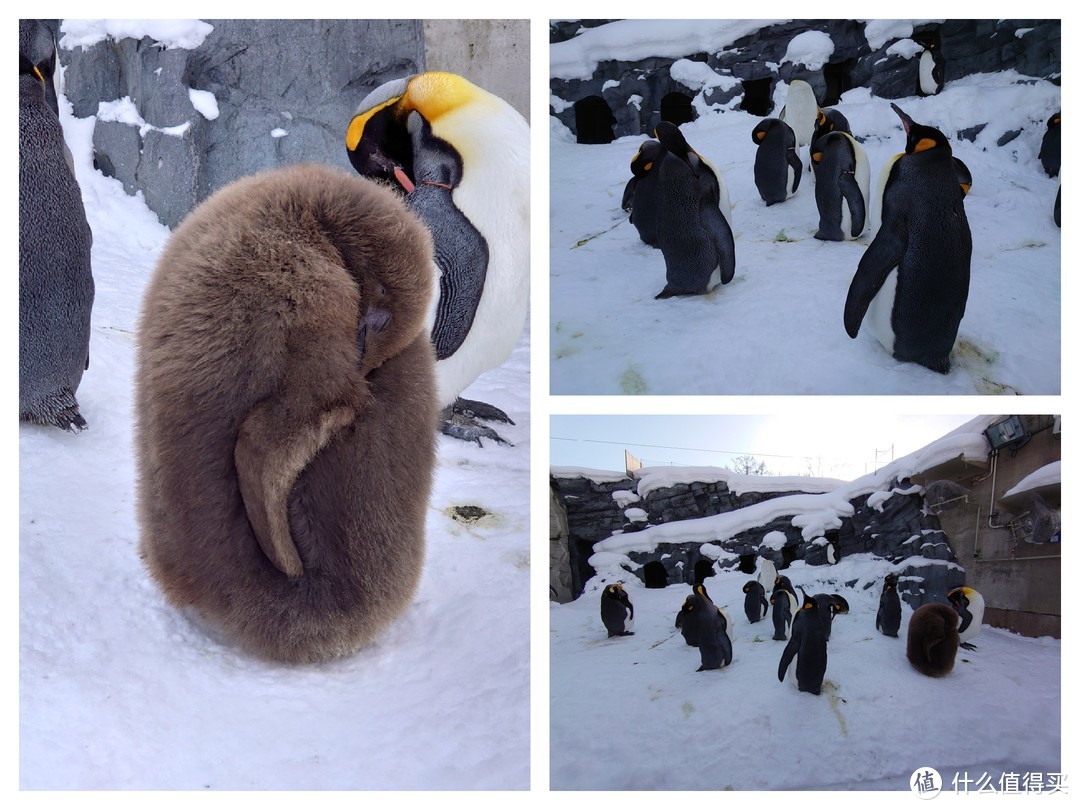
x: 702, y: 450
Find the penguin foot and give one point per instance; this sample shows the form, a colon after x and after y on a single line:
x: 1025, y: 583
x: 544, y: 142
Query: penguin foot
x: 59, y: 409
x: 967, y: 645
x: 460, y: 422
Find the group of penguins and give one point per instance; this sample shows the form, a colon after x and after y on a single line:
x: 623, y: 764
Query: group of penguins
x: 935, y: 630
x: 911, y: 285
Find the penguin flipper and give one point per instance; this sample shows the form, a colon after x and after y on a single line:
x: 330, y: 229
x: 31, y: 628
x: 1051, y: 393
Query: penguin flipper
x: 796, y: 164
x: 460, y: 251
x: 725, y: 645
x: 880, y: 258
x: 271, y: 451
x: 627, y: 204
x: 722, y: 239
x: 849, y: 187
x: 786, y: 658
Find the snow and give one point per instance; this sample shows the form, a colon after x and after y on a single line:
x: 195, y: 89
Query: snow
x: 631, y: 40
x: 1044, y: 476
x: 906, y: 48
x: 124, y: 111
x: 653, y: 478
x: 624, y: 497
x: 636, y: 515
x: 204, y: 103
x: 278, y: 132
x: 698, y: 76
x: 809, y: 48
x: 187, y: 34
x: 632, y: 712
x: 596, y: 476
x: 120, y: 691
x: 777, y: 328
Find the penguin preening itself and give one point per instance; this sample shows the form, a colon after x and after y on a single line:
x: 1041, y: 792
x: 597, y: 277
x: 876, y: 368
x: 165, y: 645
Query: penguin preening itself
x: 829, y: 120
x: 755, y: 604
x: 711, y: 628
x: 800, y: 111
x: 809, y: 642
x: 640, y: 197
x: 970, y: 607
x: 56, y: 283
x: 286, y: 410
x: 784, y: 607
x: 830, y: 605
x: 460, y: 157
x: 888, y: 612
x: 777, y: 167
x: 616, y: 611
x: 842, y: 189
x: 694, y: 219
x: 932, y: 639
x: 912, y: 282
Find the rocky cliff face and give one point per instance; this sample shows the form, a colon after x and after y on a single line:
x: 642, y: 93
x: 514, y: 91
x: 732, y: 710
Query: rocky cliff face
x: 748, y: 71
x: 890, y: 524
x: 283, y: 92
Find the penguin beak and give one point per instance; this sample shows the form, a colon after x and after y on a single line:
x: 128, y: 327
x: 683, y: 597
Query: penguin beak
x: 904, y: 117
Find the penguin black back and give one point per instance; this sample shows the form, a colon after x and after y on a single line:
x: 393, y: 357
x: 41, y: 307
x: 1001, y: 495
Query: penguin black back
x: 925, y: 238
x: 1050, y: 151
x: 713, y: 632
x: 693, y: 229
x: 755, y: 604
x: 784, y: 607
x: 809, y: 641
x: 888, y: 613
x: 932, y: 639
x: 640, y: 197
x: 56, y: 285
x: 829, y: 120
x: 777, y: 167
x: 616, y: 611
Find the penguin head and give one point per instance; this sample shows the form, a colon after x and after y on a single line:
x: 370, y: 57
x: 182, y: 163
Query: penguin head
x: 37, y: 51
x: 648, y: 155
x: 672, y: 139
x: 403, y: 117
x: 808, y: 602
x: 746, y: 587
x: 890, y: 582
x: 959, y: 596
x: 839, y: 604
x: 1055, y: 121
x: 921, y: 138
x: 963, y: 174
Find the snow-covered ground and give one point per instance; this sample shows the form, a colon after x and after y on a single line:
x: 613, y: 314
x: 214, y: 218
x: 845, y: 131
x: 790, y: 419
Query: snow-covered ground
x: 117, y: 690
x: 632, y: 712
x: 777, y: 328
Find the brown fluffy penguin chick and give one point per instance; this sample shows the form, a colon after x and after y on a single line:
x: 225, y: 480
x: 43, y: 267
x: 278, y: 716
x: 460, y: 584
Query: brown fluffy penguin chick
x: 286, y: 412
x: 932, y: 639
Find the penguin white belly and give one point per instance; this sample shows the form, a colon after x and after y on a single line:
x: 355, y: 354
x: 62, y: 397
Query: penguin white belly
x: 878, y: 318
x: 494, y: 195
x: 926, y: 74
x: 790, y: 180
x: 628, y: 623
x: 845, y: 218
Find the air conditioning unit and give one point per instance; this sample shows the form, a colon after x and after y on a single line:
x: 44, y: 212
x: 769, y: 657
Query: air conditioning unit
x: 1039, y: 524
x: 941, y: 496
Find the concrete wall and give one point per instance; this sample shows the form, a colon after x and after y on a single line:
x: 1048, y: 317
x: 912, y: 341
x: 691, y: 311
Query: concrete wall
x: 1021, y: 582
x: 493, y: 54
x: 561, y: 585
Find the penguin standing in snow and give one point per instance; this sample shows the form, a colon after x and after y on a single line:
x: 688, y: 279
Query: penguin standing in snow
x: 616, y: 611
x: 969, y: 606
x: 713, y: 632
x: 460, y: 157
x: 56, y: 284
x: 912, y: 281
x: 888, y: 612
x: 931, y: 70
x: 830, y: 605
x: 766, y: 573
x: 932, y: 639
x: 755, y: 604
x: 784, y: 607
x: 1050, y: 151
x: 842, y: 190
x: 800, y: 111
x: 809, y: 642
x: 829, y: 120
x: 640, y: 197
x: 694, y: 219
x: 777, y: 168
x: 687, y: 620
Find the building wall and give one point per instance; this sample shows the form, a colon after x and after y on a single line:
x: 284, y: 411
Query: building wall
x: 493, y: 54
x: 1020, y: 581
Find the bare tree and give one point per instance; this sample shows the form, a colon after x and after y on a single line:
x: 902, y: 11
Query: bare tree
x: 747, y: 465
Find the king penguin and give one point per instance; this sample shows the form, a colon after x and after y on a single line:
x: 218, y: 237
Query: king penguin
x: 888, y: 612
x: 809, y: 641
x: 616, y: 611
x: 713, y: 632
x: 640, y: 197
x: 1050, y: 151
x: 784, y: 606
x: 829, y: 120
x: 694, y: 219
x: 777, y: 167
x: 460, y: 157
x: 932, y: 639
x: 755, y: 604
x: 912, y: 281
x: 56, y: 283
x: 931, y: 70
x: 969, y: 606
x: 842, y: 189
x: 800, y: 111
